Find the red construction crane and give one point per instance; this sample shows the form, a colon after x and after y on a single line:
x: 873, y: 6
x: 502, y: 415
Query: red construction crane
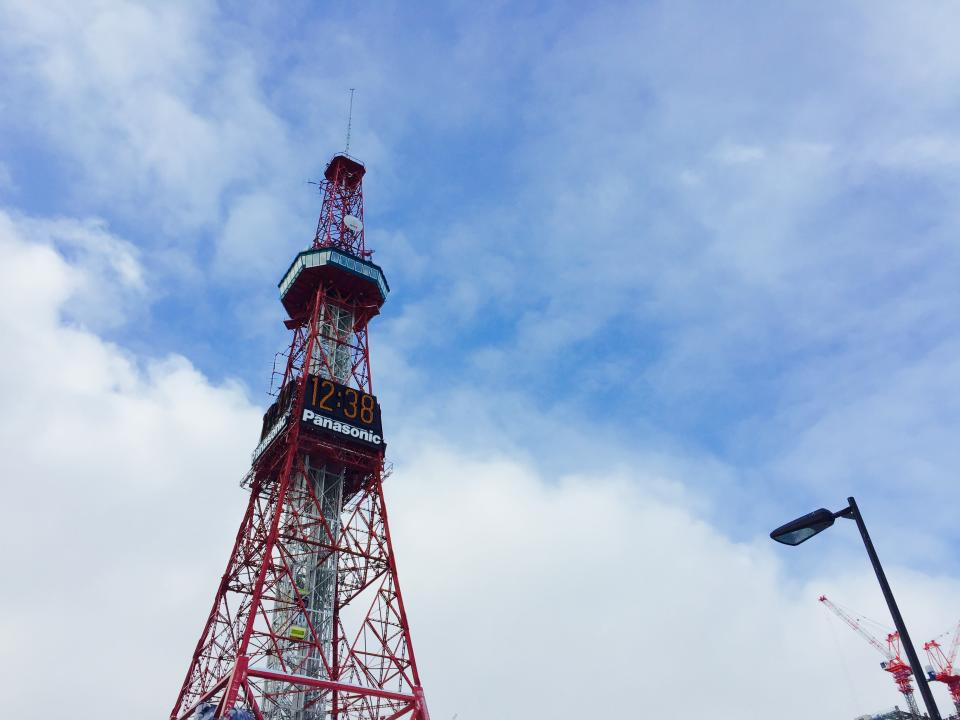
x: 892, y: 651
x: 943, y: 665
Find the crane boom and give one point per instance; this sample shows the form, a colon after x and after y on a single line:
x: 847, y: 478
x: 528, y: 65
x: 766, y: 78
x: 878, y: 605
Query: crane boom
x: 898, y: 669
x: 952, y: 655
x: 855, y: 624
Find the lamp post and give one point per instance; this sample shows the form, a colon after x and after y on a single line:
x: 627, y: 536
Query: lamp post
x: 804, y: 528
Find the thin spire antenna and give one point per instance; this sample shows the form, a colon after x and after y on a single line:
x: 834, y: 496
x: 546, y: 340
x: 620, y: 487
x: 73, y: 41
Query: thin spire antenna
x: 349, y: 121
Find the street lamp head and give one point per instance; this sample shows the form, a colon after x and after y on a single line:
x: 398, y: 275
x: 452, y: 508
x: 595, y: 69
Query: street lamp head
x: 803, y: 528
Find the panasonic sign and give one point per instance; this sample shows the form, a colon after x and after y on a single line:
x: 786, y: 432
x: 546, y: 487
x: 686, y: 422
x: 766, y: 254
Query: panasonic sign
x: 346, y: 429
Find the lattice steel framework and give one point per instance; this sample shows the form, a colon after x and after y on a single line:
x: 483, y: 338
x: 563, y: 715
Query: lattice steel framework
x: 308, y: 622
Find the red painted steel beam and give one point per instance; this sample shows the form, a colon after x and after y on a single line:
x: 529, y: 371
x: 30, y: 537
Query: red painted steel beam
x: 329, y: 685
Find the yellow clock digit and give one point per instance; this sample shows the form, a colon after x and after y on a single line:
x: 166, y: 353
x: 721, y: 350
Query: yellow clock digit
x: 323, y: 401
x: 350, y: 411
x: 366, y: 409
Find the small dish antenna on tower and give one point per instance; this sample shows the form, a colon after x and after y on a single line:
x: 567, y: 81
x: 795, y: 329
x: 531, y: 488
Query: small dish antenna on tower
x: 353, y: 223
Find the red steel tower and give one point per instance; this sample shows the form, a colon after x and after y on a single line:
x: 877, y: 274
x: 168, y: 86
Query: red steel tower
x: 308, y: 622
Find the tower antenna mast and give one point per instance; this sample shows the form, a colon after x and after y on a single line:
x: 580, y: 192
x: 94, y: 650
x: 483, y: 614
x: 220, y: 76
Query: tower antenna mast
x: 349, y: 121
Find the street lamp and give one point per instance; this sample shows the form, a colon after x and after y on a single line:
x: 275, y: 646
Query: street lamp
x: 804, y: 528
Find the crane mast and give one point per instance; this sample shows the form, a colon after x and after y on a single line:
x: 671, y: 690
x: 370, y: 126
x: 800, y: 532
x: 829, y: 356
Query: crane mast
x: 893, y: 664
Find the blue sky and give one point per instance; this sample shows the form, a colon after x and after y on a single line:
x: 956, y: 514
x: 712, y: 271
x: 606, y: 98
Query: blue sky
x: 706, y: 251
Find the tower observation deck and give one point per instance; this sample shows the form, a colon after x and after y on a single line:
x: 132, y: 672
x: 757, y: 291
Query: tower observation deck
x: 308, y: 621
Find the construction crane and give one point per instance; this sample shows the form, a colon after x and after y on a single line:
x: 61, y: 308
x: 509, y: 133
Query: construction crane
x: 941, y: 665
x: 892, y: 651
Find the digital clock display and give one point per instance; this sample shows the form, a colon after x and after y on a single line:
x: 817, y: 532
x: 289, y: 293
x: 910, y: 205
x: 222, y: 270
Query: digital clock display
x: 342, y: 410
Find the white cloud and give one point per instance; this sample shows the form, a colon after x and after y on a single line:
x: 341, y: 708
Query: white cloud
x: 922, y: 152
x: 581, y: 595
x: 890, y: 36
x: 109, y: 277
x: 576, y: 594
x: 7, y: 183
x: 737, y: 154
x: 159, y: 111
x: 120, y: 474
x: 258, y: 228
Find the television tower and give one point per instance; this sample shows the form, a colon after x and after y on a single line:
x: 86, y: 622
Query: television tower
x: 308, y: 622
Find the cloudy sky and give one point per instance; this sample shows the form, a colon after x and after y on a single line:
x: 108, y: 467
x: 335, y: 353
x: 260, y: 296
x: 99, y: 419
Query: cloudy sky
x: 664, y: 275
